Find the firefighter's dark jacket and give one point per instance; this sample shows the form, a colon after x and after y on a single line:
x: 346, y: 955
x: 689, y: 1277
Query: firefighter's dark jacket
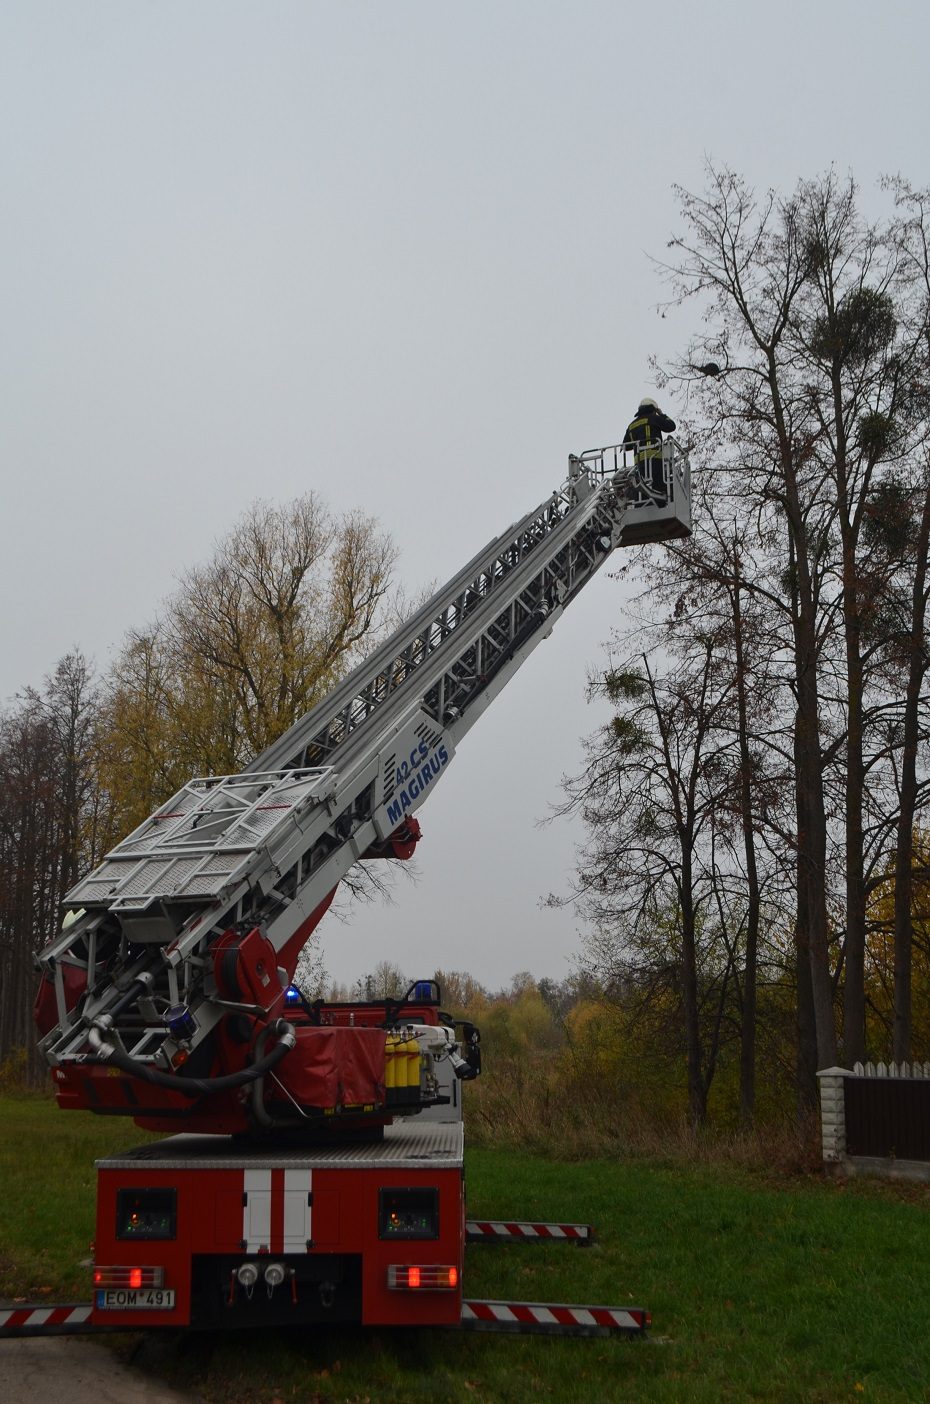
x: 648, y: 427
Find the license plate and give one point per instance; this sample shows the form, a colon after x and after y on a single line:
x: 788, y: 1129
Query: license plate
x: 136, y: 1298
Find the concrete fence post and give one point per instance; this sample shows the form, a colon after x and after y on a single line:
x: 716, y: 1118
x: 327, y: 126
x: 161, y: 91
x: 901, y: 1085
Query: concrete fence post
x: 833, y: 1114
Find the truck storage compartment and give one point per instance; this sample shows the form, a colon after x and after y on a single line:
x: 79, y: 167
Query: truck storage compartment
x: 331, y: 1067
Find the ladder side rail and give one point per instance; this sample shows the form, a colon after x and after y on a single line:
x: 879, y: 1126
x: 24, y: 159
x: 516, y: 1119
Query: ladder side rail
x: 375, y: 668
x: 526, y: 587
x: 342, y: 836
x: 403, y: 657
x: 561, y: 579
x: 412, y: 659
x: 502, y: 660
x: 600, y: 517
x: 613, y: 464
x: 346, y: 826
x: 414, y: 640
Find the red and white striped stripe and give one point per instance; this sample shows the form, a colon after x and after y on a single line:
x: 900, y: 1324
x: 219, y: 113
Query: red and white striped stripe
x: 33, y: 1317
x: 478, y: 1229
x: 277, y: 1211
x: 555, y: 1316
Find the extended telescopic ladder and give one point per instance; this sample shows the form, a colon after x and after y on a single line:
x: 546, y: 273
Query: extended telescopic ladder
x: 268, y: 846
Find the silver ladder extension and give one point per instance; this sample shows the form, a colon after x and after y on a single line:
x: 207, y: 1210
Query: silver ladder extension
x: 267, y: 846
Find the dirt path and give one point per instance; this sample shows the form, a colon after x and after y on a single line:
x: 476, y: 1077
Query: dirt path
x: 62, y: 1370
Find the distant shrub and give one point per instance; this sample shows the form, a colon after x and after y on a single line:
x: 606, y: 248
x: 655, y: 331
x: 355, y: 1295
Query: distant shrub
x: 15, y: 1073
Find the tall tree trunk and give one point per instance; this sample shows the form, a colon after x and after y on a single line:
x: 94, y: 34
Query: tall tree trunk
x: 811, y: 812
x: 747, y: 1061
x: 809, y: 1059
x: 854, y: 969
x: 854, y: 973
x: 697, y: 1094
x: 806, y: 1061
x: 904, y: 857
x: 812, y: 830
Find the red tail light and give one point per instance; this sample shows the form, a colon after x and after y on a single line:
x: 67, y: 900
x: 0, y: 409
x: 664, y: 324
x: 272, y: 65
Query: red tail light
x: 423, y: 1276
x: 129, y: 1276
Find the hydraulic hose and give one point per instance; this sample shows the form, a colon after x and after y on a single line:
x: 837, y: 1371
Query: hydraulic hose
x: 200, y: 1086
x: 257, y: 1095
x: 141, y: 986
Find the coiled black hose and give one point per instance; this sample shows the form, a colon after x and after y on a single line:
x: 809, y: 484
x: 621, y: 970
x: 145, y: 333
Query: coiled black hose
x: 200, y: 1086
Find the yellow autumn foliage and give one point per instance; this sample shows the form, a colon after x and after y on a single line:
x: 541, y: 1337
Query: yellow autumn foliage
x: 288, y: 602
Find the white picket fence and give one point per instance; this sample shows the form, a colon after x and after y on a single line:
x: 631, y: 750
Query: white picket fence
x: 890, y: 1070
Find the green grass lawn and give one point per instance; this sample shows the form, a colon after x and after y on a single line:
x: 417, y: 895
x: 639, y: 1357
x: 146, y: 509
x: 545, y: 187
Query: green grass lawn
x: 760, y: 1288
x: 47, y: 1198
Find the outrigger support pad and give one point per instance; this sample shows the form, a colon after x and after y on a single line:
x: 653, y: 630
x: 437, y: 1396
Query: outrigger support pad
x: 554, y: 1319
x: 44, y: 1319
x: 518, y: 1231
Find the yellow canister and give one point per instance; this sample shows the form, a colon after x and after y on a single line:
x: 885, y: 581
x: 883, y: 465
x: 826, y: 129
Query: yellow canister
x: 390, y: 1065
x: 413, y: 1065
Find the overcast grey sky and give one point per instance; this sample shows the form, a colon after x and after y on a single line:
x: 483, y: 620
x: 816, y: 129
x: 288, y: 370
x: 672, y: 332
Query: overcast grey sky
x: 395, y: 250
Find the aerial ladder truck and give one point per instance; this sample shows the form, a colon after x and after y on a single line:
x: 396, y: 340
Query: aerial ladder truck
x: 318, y: 1175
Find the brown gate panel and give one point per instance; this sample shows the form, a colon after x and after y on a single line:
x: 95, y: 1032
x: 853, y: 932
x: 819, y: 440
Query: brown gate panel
x: 888, y: 1117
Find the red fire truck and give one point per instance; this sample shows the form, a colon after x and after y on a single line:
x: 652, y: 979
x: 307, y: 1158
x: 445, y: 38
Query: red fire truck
x: 313, y: 1169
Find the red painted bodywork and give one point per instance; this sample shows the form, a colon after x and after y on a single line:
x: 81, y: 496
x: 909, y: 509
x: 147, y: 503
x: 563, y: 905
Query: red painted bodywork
x: 345, y: 1221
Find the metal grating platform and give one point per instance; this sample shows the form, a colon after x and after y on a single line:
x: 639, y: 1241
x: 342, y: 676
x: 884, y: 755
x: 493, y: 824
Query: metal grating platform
x: 407, y: 1145
x: 197, y: 844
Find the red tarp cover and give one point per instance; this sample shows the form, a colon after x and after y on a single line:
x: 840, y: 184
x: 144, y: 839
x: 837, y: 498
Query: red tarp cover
x: 335, y: 1067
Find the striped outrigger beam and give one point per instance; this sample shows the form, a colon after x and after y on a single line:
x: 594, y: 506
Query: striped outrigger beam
x: 31, y: 1319
x: 497, y: 1231
x: 553, y: 1319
